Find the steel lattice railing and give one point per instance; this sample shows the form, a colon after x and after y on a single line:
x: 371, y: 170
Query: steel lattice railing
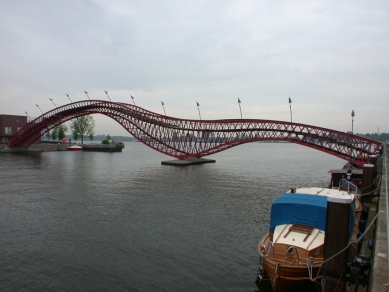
x: 194, y: 138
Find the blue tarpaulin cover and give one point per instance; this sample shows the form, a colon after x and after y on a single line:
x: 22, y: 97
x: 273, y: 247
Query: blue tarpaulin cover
x: 299, y: 208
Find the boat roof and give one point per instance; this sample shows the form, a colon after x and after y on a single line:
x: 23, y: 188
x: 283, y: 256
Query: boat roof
x: 306, y: 239
x: 334, y: 195
x: 306, y: 209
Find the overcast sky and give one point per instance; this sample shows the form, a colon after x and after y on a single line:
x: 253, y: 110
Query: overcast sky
x: 329, y: 57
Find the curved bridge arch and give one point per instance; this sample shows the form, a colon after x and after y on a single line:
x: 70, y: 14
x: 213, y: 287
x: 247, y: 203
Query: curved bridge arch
x: 181, y: 138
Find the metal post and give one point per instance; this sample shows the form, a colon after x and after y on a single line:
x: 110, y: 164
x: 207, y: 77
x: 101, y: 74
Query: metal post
x: 107, y: 95
x: 198, y: 107
x: 52, y: 102
x: 163, y: 105
x: 29, y: 119
x: 39, y: 108
x: 134, y: 100
x: 290, y: 108
x: 240, y: 108
x: 352, y: 121
x: 87, y: 94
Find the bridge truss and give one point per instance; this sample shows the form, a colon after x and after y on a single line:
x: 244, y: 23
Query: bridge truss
x: 182, y: 138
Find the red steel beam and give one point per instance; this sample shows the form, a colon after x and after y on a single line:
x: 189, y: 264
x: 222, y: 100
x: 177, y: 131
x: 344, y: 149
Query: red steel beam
x: 182, y: 138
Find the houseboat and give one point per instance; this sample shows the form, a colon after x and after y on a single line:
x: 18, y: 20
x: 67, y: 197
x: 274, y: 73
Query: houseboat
x: 291, y: 252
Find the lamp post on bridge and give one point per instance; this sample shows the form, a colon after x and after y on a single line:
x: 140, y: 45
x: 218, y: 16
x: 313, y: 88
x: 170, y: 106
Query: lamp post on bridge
x: 163, y: 105
x: 69, y: 98
x: 107, y: 95
x: 290, y: 108
x: 29, y: 119
x: 134, y: 100
x: 39, y: 108
x: 87, y: 94
x: 352, y: 121
x: 198, y: 108
x: 52, y: 102
x: 240, y: 109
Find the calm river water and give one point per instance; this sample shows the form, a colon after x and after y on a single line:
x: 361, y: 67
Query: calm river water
x: 84, y: 221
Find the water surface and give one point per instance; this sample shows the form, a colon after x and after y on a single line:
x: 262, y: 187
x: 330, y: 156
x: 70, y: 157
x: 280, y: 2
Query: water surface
x: 89, y: 221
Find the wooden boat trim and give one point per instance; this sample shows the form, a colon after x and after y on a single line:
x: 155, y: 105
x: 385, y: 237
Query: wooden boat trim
x: 313, y: 239
x: 297, y: 238
x: 284, y: 276
x: 286, y: 225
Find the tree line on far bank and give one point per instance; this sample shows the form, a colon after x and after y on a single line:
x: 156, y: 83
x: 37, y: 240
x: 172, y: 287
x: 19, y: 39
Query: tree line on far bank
x: 80, y: 128
x: 381, y: 137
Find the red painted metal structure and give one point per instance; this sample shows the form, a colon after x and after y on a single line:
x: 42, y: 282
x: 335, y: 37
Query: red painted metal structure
x: 181, y: 138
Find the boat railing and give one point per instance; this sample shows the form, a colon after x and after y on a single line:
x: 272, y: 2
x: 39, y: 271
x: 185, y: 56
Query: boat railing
x: 290, y: 250
x: 271, y: 243
x: 351, y: 188
x: 262, y: 250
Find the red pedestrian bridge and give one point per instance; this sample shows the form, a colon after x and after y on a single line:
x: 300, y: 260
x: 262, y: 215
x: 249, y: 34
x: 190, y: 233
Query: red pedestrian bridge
x: 182, y: 138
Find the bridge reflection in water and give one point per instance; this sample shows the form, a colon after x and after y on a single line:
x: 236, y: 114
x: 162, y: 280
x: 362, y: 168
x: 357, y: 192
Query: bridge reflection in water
x: 181, y: 138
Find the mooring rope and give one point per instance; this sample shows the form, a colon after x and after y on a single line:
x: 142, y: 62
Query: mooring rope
x: 347, y: 246
x: 369, y: 192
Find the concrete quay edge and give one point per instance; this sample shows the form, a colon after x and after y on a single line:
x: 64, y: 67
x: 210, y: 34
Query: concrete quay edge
x: 379, y: 276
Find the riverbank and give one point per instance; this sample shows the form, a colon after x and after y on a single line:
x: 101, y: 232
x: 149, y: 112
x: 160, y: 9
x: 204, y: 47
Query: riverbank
x: 37, y: 148
x: 48, y: 147
x: 379, y: 273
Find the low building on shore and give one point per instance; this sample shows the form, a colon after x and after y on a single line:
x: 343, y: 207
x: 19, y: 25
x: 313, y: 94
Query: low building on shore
x: 10, y: 125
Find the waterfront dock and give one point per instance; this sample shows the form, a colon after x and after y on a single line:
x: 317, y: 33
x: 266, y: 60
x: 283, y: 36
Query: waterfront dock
x: 100, y: 148
x: 37, y: 148
x: 378, y: 219
x: 379, y: 277
x: 48, y: 147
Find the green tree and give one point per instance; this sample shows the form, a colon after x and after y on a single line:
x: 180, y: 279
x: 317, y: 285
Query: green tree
x: 119, y: 144
x: 54, y: 133
x: 62, y: 129
x: 91, y: 136
x: 48, y: 135
x: 82, y: 127
x: 384, y: 137
x: 75, y: 136
x: 107, y: 139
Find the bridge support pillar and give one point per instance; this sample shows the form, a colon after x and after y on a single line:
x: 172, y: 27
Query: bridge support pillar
x: 187, y: 161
